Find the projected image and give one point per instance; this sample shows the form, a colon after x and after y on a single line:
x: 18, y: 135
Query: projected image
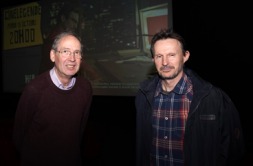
x: 116, y: 36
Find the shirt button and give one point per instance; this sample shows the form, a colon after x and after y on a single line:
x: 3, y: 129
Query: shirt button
x: 166, y: 118
x: 165, y: 137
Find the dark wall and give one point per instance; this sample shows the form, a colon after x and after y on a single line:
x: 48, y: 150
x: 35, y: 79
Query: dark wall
x: 219, y: 36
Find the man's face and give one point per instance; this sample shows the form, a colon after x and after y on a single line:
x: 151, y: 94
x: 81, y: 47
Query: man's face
x: 169, y: 58
x: 66, y: 67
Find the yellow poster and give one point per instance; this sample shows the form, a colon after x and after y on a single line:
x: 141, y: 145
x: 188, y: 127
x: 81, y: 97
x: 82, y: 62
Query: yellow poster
x: 22, y: 26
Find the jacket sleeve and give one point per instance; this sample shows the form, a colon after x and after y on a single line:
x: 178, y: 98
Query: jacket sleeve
x: 236, y: 148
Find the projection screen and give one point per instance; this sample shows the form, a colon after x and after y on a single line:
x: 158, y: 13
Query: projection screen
x: 116, y: 35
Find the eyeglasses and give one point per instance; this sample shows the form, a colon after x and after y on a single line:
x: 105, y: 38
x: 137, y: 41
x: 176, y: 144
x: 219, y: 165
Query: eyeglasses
x: 67, y: 53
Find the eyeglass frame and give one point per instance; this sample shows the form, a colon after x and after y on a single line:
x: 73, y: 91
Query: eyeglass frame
x: 68, y: 53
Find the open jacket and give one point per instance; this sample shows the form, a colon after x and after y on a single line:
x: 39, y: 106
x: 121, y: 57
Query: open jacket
x: 213, y: 133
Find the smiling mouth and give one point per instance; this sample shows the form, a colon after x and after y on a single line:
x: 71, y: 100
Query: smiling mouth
x: 69, y: 65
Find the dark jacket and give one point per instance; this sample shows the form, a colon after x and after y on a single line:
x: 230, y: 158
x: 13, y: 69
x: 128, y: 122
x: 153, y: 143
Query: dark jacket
x: 213, y: 133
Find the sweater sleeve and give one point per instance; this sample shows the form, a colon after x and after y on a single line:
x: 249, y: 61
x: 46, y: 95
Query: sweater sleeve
x: 23, y: 116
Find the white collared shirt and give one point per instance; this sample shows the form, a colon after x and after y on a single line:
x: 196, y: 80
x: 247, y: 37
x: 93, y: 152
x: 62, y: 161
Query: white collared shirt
x: 58, y: 83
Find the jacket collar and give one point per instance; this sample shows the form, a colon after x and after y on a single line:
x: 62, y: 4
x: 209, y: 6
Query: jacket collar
x: 200, y: 86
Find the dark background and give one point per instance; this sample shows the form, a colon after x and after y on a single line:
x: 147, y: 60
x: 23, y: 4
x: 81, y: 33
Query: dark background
x: 219, y: 36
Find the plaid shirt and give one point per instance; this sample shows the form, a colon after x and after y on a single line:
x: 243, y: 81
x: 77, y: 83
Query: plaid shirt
x: 169, y: 118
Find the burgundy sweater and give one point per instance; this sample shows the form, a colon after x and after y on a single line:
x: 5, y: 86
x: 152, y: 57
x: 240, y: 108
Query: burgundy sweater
x: 50, y: 122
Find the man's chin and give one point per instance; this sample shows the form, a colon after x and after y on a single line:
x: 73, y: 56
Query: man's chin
x: 168, y: 76
x: 165, y: 77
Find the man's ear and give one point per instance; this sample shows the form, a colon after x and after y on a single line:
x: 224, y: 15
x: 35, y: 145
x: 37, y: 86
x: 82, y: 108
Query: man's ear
x: 52, y: 55
x: 186, y: 56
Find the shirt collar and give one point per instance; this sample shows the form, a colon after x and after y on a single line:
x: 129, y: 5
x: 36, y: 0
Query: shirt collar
x: 58, y: 83
x: 182, y: 87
